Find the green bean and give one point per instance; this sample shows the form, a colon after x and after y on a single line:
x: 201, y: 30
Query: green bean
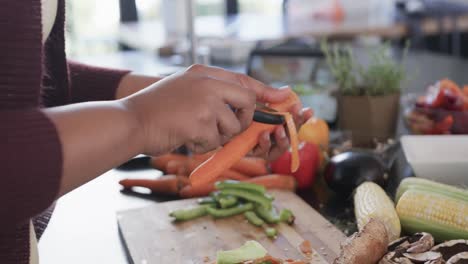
x: 249, y: 196
x: 227, y: 201
x: 287, y: 216
x: 271, y: 232
x: 230, y: 184
x: 252, y: 217
x: 207, y: 200
x: 189, y: 214
x: 221, y: 213
x: 270, y: 215
x: 269, y: 196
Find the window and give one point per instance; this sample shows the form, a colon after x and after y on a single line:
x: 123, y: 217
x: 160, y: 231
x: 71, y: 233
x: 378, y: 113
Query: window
x: 93, y: 26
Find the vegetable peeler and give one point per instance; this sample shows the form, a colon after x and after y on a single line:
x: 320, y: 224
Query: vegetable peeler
x: 266, y: 115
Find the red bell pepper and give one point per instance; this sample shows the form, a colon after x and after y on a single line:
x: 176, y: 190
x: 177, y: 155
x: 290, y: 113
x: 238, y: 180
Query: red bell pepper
x: 309, y: 155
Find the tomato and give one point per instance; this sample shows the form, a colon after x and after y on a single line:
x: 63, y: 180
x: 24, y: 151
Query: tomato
x: 309, y: 155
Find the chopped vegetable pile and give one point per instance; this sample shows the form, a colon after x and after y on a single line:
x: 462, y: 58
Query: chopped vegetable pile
x: 234, y: 198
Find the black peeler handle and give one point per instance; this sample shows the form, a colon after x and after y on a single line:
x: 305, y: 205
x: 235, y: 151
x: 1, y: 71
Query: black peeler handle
x: 268, y: 118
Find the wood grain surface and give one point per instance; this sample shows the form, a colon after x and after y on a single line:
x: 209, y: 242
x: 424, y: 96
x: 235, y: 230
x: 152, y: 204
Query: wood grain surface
x: 152, y: 237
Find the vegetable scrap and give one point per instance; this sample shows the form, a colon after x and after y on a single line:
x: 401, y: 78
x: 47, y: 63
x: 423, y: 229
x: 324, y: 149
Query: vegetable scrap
x: 251, y: 252
x: 305, y: 247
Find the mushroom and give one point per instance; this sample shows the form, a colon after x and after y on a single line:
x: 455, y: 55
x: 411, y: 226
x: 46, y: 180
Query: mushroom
x: 451, y: 248
x: 403, y: 260
x: 423, y: 257
x: 398, y: 243
x: 391, y: 258
x: 423, y: 244
x: 460, y: 258
x: 437, y: 261
x: 388, y: 258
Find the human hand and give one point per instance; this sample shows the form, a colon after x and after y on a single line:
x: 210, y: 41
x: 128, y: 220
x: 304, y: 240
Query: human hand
x: 193, y: 108
x: 271, y: 151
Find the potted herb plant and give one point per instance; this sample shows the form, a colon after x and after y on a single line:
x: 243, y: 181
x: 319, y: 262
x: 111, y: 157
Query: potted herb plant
x: 368, y: 97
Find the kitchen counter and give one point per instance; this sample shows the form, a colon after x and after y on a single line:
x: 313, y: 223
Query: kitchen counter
x: 83, y: 228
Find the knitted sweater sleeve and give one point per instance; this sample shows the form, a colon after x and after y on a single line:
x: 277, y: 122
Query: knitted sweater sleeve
x: 30, y: 148
x: 89, y: 83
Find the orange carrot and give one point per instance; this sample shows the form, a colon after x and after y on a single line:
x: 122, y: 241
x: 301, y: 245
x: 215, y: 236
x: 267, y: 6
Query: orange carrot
x: 190, y: 191
x: 205, y: 189
x: 275, y: 181
x: 234, y: 175
x: 176, y: 167
x: 231, y: 174
x: 192, y: 164
x: 204, y: 156
x: 251, y: 166
x: 237, y: 148
x: 169, y: 184
x: 160, y: 162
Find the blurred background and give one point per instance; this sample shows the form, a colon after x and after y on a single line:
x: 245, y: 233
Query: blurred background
x: 108, y: 26
x: 277, y: 41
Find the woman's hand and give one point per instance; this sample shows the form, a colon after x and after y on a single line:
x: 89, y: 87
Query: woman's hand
x: 270, y: 151
x: 195, y: 108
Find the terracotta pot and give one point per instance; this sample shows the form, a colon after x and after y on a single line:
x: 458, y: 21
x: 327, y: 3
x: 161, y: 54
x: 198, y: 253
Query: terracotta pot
x: 368, y: 117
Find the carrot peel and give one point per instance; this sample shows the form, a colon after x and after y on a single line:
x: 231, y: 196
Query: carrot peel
x: 295, y: 162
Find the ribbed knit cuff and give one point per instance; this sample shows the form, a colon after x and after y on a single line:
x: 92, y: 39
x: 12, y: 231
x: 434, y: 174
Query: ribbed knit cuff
x: 14, y: 243
x: 89, y: 83
x: 31, y: 164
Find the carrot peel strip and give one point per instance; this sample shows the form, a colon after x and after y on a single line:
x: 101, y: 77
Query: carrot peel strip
x: 295, y: 162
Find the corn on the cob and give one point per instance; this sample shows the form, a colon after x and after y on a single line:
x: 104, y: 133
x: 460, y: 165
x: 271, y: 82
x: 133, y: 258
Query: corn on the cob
x: 430, y: 186
x: 371, y: 201
x: 443, y: 216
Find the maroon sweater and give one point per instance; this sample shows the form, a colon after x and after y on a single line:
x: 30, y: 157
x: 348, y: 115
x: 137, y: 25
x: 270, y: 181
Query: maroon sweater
x: 33, y: 76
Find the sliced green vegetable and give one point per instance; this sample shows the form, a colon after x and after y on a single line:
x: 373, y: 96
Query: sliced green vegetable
x: 270, y: 215
x: 251, y: 250
x: 253, y: 218
x: 227, y: 201
x: 189, y: 214
x: 269, y: 197
x: 287, y: 216
x: 207, y: 200
x: 231, y: 184
x: 221, y: 213
x: 271, y: 232
x: 249, y: 196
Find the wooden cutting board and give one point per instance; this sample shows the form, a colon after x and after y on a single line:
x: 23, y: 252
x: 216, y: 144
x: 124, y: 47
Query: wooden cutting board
x: 152, y: 237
